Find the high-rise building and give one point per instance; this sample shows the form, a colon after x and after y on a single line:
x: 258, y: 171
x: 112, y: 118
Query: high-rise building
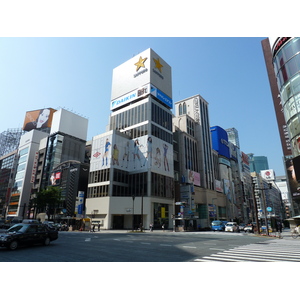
x: 258, y: 163
x: 7, y: 170
x: 199, y: 197
x: 131, y: 170
x: 282, y: 56
x: 25, y: 171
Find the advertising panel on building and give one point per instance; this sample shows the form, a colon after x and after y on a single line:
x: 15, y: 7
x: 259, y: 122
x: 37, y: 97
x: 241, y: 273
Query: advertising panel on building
x: 194, y: 178
x: 55, y: 178
x: 37, y: 119
x: 220, y: 141
x: 67, y: 122
x: 112, y: 150
x: 139, y: 93
x: 136, y: 73
x: 291, y: 166
x: 268, y: 174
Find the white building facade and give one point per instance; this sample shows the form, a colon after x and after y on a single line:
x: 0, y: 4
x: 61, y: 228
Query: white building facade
x: 131, y: 171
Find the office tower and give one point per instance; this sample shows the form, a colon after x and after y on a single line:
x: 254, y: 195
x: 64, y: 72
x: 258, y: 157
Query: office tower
x: 22, y: 181
x: 258, y: 163
x: 131, y: 170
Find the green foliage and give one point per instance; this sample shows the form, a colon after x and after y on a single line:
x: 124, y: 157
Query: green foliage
x: 47, y: 198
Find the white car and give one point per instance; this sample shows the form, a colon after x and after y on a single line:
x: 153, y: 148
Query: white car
x: 232, y: 227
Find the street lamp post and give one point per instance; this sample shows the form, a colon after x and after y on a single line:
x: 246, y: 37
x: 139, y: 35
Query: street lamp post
x: 255, y: 205
x: 133, y: 197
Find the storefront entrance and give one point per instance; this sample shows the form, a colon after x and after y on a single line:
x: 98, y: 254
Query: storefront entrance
x: 118, y: 222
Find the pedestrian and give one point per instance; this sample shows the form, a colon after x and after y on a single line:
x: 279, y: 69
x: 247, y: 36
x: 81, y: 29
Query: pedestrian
x: 99, y: 226
x: 151, y: 227
x: 163, y: 227
x: 279, y: 227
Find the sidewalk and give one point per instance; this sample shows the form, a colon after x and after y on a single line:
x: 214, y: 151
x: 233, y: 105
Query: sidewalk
x: 286, y: 234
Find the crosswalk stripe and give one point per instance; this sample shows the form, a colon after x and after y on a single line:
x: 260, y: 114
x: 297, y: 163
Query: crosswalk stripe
x: 265, y: 252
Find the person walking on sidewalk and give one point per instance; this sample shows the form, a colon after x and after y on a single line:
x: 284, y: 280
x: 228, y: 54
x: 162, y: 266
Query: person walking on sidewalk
x: 151, y: 227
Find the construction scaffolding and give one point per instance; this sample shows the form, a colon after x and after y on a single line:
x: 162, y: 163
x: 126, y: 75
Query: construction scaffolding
x: 9, y: 140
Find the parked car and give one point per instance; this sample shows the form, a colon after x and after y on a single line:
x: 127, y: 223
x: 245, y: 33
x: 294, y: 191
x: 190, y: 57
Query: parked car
x: 217, y: 225
x: 232, y: 227
x: 26, y: 234
x: 2, y: 223
x: 10, y: 222
x: 241, y: 226
x: 249, y: 228
x: 51, y: 225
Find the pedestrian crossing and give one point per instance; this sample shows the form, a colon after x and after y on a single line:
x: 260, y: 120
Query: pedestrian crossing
x: 273, y: 251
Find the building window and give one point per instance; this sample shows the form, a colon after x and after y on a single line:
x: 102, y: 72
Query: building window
x: 184, y: 108
x: 180, y: 109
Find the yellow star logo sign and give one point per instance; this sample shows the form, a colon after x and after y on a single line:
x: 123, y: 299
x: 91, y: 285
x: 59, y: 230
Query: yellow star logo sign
x: 140, y: 63
x: 158, y: 65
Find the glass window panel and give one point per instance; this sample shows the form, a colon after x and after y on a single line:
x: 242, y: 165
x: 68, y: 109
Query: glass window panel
x: 292, y: 67
x: 286, y: 112
x: 292, y: 107
x: 23, y: 151
x: 129, y: 117
x: 297, y: 102
x: 294, y: 126
x: 295, y: 83
x: 288, y: 51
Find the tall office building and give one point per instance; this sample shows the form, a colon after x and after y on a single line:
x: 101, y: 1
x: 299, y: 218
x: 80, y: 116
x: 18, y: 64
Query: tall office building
x: 282, y: 56
x: 22, y: 182
x: 131, y: 170
x: 258, y: 163
x: 197, y: 195
x: 62, y: 159
x: 7, y: 171
x: 197, y: 108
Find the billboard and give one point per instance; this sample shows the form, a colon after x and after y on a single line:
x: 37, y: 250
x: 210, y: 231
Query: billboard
x: 292, y: 165
x: 194, y: 178
x: 220, y: 141
x: 37, y: 119
x: 144, y: 68
x: 68, y: 122
x: 55, y: 178
x: 113, y: 150
x: 268, y: 174
x: 141, y: 92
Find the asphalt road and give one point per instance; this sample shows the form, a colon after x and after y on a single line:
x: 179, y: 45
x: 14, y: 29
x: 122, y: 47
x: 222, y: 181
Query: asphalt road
x: 130, y: 247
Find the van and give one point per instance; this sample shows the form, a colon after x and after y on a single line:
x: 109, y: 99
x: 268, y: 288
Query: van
x: 217, y: 225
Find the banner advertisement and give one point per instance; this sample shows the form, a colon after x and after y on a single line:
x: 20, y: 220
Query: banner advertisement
x: 55, y: 178
x: 194, y: 177
x: 37, y: 119
x: 111, y: 150
x: 79, y: 203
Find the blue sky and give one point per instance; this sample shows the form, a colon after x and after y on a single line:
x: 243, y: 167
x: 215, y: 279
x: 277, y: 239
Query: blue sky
x: 76, y: 73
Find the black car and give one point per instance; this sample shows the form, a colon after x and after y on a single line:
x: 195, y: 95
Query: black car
x: 26, y: 234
